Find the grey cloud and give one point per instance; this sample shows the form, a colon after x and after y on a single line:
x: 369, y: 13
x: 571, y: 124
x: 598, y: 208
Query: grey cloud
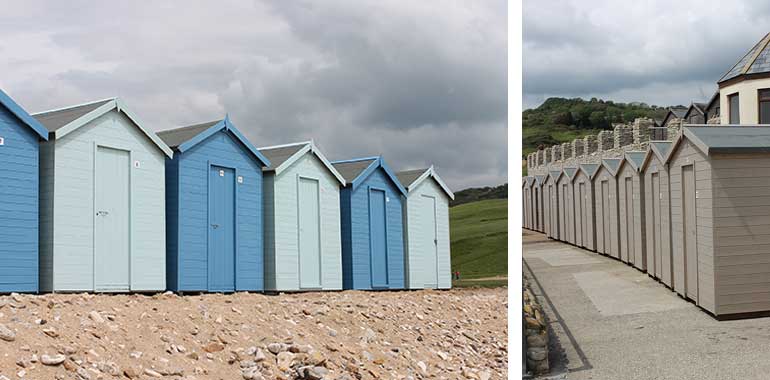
x: 418, y: 82
x: 582, y: 48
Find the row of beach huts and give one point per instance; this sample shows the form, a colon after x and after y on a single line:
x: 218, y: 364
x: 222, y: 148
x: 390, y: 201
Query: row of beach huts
x: 689, y: 203
x: 93, y: 200
x: 693, y: 213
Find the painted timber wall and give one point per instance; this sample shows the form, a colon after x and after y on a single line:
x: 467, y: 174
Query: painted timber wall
x: 67, y: 213
x: 737, y: 241
x: 19, y: 154
x: 632, y: 228
x: 282, y: 256
x: 584, y: 208
x: 426, y: 269
x: 187, y: 205
x: 692, y: 220
x: 658, y: 218
x: 552, y: 202
x: 607, y: 229
x: 566, y: 209
x: 356, y: 256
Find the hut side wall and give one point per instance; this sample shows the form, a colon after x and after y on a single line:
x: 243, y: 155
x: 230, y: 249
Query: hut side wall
x: 686, y: 154
x: 741, y: 230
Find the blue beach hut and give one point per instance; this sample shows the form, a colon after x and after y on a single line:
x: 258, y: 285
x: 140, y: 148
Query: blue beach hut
x: 372, y: 204
x: 214, y: 215
x: 20, y: 135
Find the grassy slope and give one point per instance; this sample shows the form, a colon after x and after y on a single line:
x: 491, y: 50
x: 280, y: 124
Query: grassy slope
x: 479, y: 237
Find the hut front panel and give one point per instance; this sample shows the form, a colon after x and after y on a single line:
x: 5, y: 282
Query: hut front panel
x: 584, y: 195
x: 741, y: 230
x: 357, y: 256
x: 657, y: 221
x: 220, y: 149
x: 428, y: 264
x: 606, y: 190
x: 19, y: 155
x: 73, y: 205
x: 626, y: 214
x: 640, y: 229
x: 567, y: 209
x: 703, y: 293
x: 285, y: 261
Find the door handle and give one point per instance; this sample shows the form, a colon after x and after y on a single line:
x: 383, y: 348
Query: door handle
x: 102, y: 213
x: 215, y: 226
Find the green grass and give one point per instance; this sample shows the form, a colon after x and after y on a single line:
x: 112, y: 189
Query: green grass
x: 479, y: 238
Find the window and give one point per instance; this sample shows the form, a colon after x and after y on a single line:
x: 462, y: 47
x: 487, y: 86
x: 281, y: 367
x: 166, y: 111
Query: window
x: 735, y: 111
x: 764, y: 106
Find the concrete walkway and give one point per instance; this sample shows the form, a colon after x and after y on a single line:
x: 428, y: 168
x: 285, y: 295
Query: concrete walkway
x: 611, y: 321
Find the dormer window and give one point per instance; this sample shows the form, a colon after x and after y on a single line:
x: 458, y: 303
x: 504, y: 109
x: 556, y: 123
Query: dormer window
x: 764, y: 105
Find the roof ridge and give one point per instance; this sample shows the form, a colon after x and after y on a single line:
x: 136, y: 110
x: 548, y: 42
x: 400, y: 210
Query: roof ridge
x: 184, y: 128
x: 73, y: 106
x: 357, y: 160
x: 286, y: 145
x: 762, y: 44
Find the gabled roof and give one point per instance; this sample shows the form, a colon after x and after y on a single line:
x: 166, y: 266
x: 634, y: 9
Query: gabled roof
x: 540, y: 180
x: 728, y: 139
x: 185, y: 138
x: 755, y: 61
x: 355, y: 175
x: 659, y: 149
x: 570, y: 172
x: 555, y: 174
x: 409, y: 181
x: 62, y: 121
x: 282, y: 157
x: 713, y: 102
x: 673, y: 112
x: 612, y: 165
x: 696, y: 107
x: 635, y: 159
x: 23, y: 116
x: 588, y: 169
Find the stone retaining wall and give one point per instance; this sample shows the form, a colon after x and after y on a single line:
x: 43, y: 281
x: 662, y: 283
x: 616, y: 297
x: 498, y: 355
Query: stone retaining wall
x: 536, y: 332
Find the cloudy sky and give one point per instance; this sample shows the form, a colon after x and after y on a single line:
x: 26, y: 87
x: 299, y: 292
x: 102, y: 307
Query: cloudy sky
x: 658, y: 52
x: 422, y: 82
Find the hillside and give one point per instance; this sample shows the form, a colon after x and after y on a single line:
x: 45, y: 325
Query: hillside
x: 479, y: 239
x: 560, y: 120
x: 479, y: 193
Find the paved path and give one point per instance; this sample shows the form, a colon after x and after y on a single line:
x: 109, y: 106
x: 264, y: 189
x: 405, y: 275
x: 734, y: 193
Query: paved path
x: 615, y: 322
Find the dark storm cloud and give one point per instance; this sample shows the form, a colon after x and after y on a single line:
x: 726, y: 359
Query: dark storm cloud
x: 659, y: 52
x: 420, y: 82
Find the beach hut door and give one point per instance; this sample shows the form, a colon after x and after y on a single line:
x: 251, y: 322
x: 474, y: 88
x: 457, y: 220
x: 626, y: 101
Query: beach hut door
x: 431, y: 242
x: 221, y: 231
x: 378, y: 238
x: 309, y: 235
x: 111, y: 220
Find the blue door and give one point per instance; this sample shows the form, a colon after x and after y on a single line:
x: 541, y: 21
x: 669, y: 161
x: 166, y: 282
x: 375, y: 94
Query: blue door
x: 378, y: 245
x: 221, y: 250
